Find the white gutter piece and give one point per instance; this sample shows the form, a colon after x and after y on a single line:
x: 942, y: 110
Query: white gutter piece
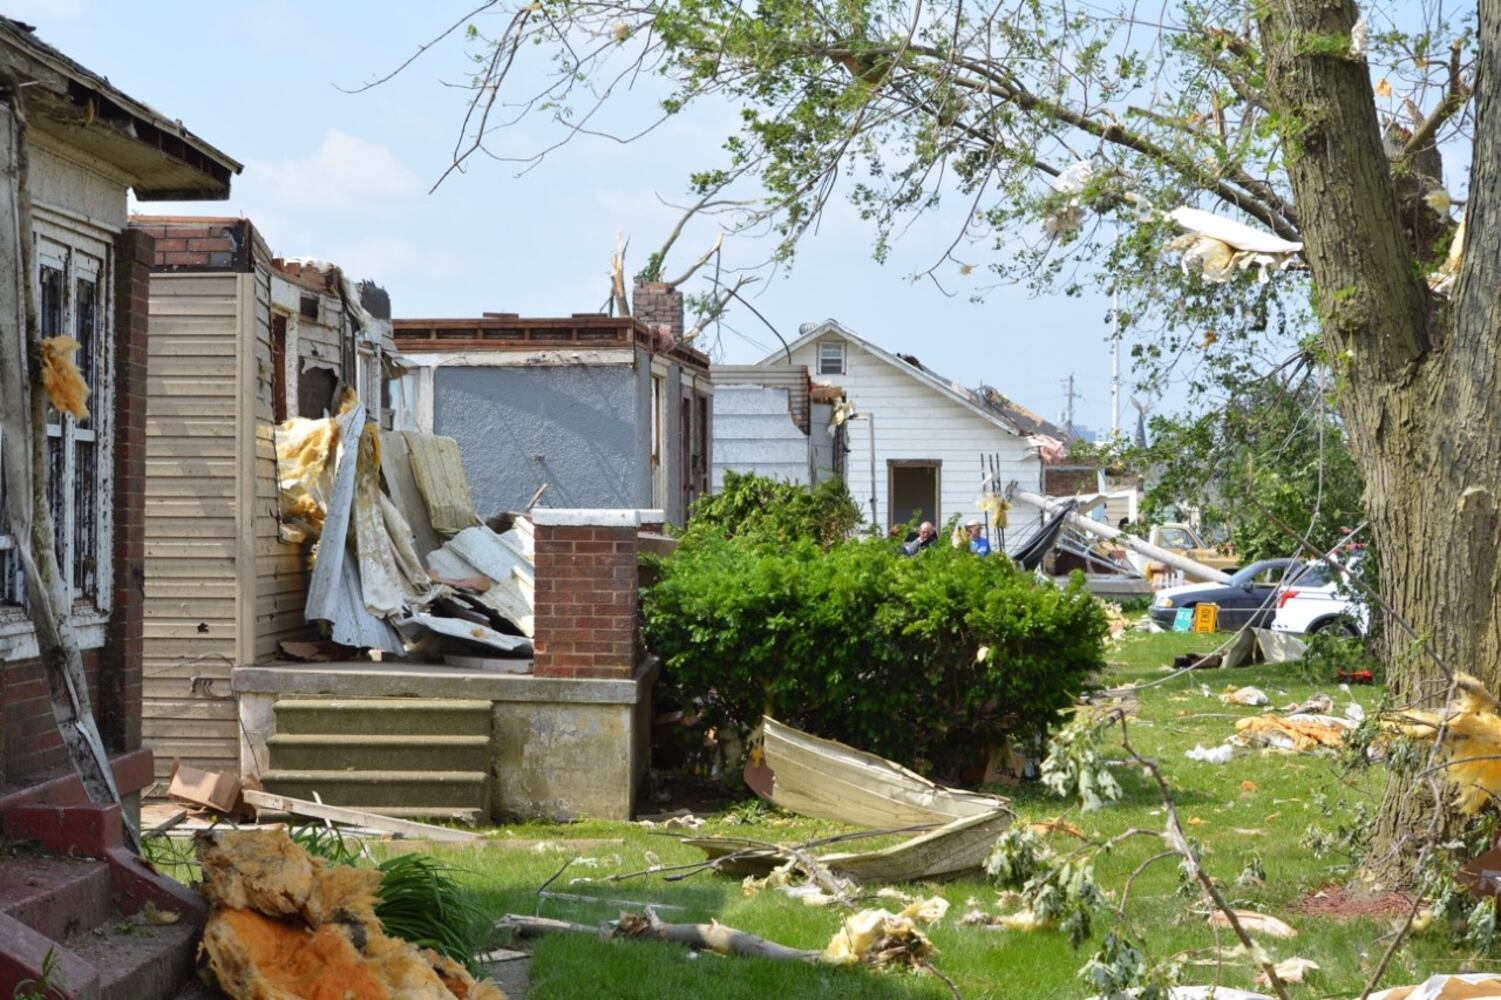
x: 1190, y: 567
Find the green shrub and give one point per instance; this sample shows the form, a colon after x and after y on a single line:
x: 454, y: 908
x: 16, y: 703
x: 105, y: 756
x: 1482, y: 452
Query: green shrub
x: 929, y: 660
x: 748, y: 504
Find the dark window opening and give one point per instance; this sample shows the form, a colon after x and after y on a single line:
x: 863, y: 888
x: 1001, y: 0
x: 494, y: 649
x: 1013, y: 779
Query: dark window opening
x: 279, y: 368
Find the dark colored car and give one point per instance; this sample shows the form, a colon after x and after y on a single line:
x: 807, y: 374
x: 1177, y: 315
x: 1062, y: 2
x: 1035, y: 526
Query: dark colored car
x: 1248, y: 597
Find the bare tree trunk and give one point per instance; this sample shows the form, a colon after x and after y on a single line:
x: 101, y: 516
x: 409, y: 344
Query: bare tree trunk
x: 1420, y: 393
x: 23, y: 414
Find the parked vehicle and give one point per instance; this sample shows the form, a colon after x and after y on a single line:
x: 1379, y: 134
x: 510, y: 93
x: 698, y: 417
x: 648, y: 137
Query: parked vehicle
x: 1183, y: 539
x: 1331, y: 605
x: 1250, y: 596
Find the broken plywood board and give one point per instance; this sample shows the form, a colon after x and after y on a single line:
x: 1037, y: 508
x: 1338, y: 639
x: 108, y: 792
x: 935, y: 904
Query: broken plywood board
x: 438, y: 469
x: 510, y: 595
x: 401, y: 486
x: 357, y: 817
x: 827, y: 780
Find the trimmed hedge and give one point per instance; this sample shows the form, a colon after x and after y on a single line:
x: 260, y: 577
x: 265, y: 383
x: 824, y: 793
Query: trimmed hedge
x: 859, y: 644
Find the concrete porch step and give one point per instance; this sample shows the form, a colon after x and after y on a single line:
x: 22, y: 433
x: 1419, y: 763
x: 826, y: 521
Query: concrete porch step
x: 55, y: 896
x: 387, y: 716
x: 295, y: 751
x: 412, y: 789
x: 138, y: 961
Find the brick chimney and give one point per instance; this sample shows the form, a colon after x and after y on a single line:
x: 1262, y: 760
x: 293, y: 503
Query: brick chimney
x: 659, y: 306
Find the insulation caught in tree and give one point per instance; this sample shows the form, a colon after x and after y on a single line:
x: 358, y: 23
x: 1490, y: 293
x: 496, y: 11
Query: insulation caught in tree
x: 1471, y: 729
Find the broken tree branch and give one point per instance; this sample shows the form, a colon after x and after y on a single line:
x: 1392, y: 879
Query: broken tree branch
x: 1179, y: 843
x: 693, y: 269
x: 715, y: 937
x: 620, y: 305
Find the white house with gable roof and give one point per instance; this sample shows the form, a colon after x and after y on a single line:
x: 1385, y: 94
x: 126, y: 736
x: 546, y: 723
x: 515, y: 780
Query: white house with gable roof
x: 919, y: 443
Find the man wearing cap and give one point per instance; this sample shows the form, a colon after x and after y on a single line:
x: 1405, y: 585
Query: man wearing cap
x: 978, y: 543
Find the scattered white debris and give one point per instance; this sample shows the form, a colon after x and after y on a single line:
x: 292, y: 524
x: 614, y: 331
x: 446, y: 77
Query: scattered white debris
x: 1247, y: 696
x: 1218, y: 755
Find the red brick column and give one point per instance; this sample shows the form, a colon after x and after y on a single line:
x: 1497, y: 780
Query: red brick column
x: 586, y: 598
x: 119, y: 706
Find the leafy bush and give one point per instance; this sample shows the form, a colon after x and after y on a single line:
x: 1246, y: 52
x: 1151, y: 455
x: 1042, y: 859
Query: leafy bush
x: 929, y: 660
x: 749, y: 504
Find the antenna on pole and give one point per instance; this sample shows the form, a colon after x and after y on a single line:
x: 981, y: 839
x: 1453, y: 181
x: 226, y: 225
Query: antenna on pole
x: 1069, y: 395
x: 1115, y: 369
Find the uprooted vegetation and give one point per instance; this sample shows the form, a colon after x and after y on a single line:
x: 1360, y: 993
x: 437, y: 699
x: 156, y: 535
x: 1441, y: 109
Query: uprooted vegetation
x: 970, y: 654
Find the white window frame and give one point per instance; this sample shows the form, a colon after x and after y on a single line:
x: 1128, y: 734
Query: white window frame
x: 832, y: 351
x: 85, y: 253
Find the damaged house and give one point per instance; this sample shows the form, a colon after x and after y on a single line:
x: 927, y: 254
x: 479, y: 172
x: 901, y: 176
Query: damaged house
x: 241, y: 341
x: 605, y: 412
x: 87, y: 145
x: 920, y: 445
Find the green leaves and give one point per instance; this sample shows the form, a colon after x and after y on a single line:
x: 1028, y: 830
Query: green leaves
x: 1075, y: 765
x: 860, y: 644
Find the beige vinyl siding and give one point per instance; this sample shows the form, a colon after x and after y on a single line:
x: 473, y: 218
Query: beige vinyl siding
x: 191, y: 510
x: 281, y: 574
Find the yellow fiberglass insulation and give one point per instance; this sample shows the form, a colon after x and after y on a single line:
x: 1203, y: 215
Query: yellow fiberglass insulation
x: 287, y: 926
x: 1471, y: 729
x: 61, y: 379
x: 304, y: 469
x: 261, y: 870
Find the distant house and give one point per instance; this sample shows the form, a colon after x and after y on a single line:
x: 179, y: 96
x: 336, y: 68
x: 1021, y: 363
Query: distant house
x: 89, y: 146
x: 919, y: 444
x: 240, y: 341
x: 603, y: 411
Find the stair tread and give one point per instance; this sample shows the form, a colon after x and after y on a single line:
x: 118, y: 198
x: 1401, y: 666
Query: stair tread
x: 54, y: 895
x: 393, y: 704
x: 411, y: 739
x: 123, y: 951
x: 375, y: 777
x: 470, y: 815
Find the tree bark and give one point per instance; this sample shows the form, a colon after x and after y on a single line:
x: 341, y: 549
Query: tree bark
x: 23, y: 414
x: 1418, y: 378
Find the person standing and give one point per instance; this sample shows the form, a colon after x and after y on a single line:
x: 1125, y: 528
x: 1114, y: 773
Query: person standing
x: 978, y: 544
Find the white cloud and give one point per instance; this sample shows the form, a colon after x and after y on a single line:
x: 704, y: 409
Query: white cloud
x: 345, y: 173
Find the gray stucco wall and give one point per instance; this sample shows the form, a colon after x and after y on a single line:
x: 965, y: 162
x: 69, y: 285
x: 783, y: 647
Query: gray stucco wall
x: 572, y: 427
x: 643, y: 429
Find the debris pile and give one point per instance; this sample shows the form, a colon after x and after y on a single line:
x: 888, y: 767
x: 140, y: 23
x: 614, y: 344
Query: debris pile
x: 880, y: 938
x: 401, y: 560
x: 285, y: 925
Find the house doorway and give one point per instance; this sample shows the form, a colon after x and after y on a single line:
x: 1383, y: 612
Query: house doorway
x: 912, y: 487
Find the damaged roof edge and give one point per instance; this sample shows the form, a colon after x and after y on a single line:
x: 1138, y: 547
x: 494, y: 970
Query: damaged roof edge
x: 62, y: 78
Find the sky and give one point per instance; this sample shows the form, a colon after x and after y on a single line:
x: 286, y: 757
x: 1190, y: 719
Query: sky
x: 345, y: 177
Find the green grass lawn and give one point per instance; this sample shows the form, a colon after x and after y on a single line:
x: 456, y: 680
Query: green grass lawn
x: 1260, y: 806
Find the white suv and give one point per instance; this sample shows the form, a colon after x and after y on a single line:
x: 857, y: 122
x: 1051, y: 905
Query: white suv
x: 1333, y: 605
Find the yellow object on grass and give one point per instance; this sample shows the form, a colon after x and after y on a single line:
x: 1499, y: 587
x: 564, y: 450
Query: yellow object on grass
x: 1471, y: 727
x: 61, y: 379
